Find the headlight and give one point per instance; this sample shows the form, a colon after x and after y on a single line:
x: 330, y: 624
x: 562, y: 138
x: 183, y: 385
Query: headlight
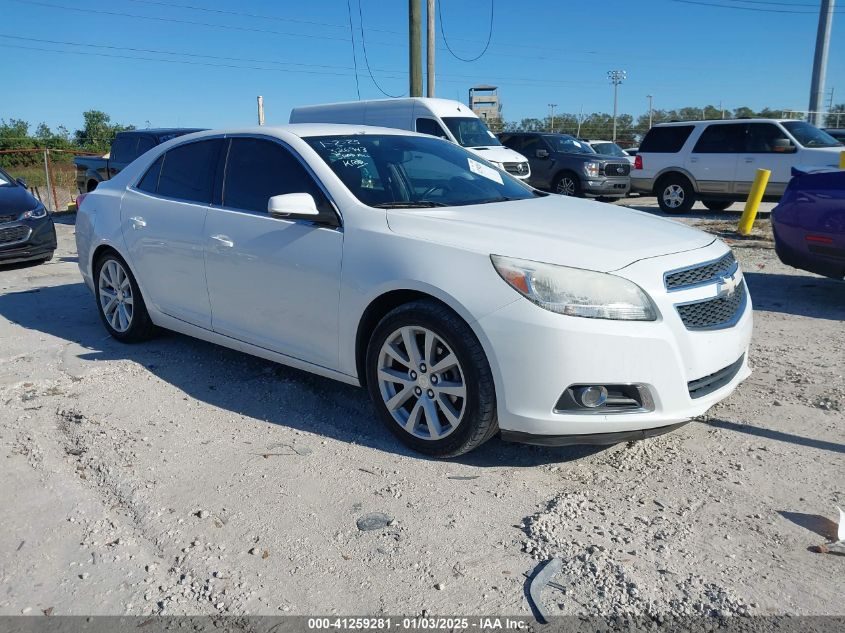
x: 576, y: 292
x: 34, y: 214
x: 592, y: 169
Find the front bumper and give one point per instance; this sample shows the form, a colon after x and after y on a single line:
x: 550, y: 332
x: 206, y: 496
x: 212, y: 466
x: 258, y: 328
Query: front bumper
x: 536, y: 354
x: 642, y: 185
x: 30, y: 239
x: 603, y: 186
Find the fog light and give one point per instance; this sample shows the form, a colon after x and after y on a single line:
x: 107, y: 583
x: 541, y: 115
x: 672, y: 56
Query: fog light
x: 591, y: 397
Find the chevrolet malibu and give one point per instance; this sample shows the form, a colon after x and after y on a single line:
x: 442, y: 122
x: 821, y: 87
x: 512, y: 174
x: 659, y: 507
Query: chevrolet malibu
x: 466, y: 302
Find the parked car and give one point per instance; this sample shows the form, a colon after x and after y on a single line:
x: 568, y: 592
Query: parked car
x: 27, y: 232
x: 465, y: 301
x: 809, y: 222
x: 716, y: 161
x: 609, y: 148
x: 126, y: 147
x: 563, y: 164
x: 442, y: 118
x: 632, y: 151
x: 837, y: 133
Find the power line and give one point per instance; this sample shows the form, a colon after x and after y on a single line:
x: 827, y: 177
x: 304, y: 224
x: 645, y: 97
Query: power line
x: 171, y: 5
x: 446, y: 41
x: 354, y: 56
x: 366, y: 59
x: 741, y: 8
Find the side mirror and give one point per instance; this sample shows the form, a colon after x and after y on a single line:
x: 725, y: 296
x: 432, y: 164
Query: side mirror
x: 542, y: 153
x: 292, y: 205
x: 784, y: 146
x: 21, y: 182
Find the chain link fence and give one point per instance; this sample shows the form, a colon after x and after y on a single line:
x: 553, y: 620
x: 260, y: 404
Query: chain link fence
x: 50, y: 175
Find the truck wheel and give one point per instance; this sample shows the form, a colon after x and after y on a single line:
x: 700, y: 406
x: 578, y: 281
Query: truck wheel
x: 567, y: 184
x: 717, y: 205
x: 92, y: 184
x: 675, y: 194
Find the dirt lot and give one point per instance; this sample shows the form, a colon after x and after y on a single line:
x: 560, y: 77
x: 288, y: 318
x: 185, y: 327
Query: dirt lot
x: 178, y: 477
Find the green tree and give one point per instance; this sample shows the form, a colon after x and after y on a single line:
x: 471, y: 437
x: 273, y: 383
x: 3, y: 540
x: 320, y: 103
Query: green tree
x: 98, y: 131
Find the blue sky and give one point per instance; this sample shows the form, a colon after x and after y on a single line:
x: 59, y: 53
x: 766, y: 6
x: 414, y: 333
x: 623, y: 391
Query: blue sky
x: 300, y: 52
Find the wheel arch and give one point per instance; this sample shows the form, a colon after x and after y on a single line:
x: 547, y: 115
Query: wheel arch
x: 673, y: 171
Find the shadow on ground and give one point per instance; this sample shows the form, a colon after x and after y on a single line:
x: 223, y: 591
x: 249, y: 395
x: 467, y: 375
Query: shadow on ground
x: 802, y: 294
x: 822, y: 526
x: 243, y: 384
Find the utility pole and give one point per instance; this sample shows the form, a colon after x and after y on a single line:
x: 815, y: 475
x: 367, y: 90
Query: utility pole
x: 552, y: 107
x: 650, y: 110
x: 260, y: 110
x: 429, y: 51
x: 616, y: 77
x: 580, y: 119
x: 820, y: 60
x: 415, y: 47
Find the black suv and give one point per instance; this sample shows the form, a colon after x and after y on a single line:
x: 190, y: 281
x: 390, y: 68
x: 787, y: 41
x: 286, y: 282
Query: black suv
x: 565, y: 165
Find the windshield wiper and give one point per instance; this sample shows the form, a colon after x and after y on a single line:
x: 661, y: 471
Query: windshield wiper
x: 411, y: 204
x: 489, y: 200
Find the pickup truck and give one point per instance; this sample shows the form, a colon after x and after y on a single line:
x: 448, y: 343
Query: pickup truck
x: 126, y: 147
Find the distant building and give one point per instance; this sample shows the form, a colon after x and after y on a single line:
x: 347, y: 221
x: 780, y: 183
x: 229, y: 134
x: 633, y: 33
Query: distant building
x: 484, y: 101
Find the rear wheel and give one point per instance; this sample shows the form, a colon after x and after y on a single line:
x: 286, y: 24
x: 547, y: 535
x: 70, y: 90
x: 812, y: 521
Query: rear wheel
x: 675, y: 194
x: 92, y: 184
x: 119, y: 301
x: 430, y: 381
x: 567, y: 184
x: 717, y: 205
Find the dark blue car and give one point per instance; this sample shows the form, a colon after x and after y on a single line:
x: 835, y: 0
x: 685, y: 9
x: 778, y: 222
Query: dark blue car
x: 27, y: 232
x: 809, y: 222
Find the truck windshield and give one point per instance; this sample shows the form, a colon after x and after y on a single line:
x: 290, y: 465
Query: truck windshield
x: 608, y: 149
x: 568, y: 144
x: 809, y: 135
x: 470, y: 132
x: 394, y: 171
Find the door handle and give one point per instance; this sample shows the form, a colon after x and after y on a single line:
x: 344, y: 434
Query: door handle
x: 223, y: 240
x: 138, y: 222
x: 749, y: 160
x: 693, y: 160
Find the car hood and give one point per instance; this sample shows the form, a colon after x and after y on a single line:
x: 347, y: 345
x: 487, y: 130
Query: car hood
x: 825, y: 156
x: 497, y: 154
x: 553, y: 229
x: 16, y: 200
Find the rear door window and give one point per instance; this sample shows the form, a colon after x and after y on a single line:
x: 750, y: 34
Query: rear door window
x: 145, y: 144
x: 188, y: 171
x: 123, y: 149
x: 721, y: 138
x: 149, y: 182
x: 666, y: 139
x: 513, y: 141
x: 258, y: 169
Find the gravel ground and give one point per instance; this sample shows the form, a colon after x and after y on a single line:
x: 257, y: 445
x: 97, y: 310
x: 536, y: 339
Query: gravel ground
x: 177, y: 477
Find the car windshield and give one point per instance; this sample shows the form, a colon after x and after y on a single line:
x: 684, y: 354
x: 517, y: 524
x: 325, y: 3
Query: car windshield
x: 394, y: 171
x: 568, y: 144
x: 6, y: 180
x: 470, y: 131
x: 609, y: 149
x: 809, y: 135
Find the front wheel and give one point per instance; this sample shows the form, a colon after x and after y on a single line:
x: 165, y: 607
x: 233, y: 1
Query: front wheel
x: 717, y: 205
x: 430, y: 381
x: 675, y: 195
x: 567, y: 184
x: 119, y: 301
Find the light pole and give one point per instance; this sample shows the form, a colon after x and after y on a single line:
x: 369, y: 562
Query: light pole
x: 650, y: 110
x: 616, y: 77
x: 552, y: 107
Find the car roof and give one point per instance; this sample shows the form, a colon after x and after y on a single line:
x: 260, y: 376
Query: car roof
x: 305, y: 130
x: 160, y: 131
x: 726, y: 121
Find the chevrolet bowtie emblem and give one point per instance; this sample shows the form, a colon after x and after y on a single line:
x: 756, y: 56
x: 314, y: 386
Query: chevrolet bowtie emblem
x: 727, y: 286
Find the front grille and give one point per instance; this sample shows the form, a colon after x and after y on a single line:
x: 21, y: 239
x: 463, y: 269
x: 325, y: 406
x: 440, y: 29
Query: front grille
x: 617, y: 169
x: 7, y: 218
x: 700, y: 274
x: 713, y: 313
x: 517, y: 169
x: 14, y: 234
x: 703, y: 386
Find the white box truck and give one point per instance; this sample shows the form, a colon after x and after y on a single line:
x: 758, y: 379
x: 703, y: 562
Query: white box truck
x: 444, y: 118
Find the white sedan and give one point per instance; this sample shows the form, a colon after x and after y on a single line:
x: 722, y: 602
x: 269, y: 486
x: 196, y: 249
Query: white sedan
x: 466, y: 302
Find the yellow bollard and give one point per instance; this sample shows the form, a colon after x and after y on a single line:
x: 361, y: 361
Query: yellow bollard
x: 841, y: 160
x: 753, y: 202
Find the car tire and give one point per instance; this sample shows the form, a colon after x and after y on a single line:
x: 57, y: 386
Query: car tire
x: 119, y: 302
x: 567, y: 184
x: 675, y: 194
x: 439, y: 397
x: 92, y: 184
x: 717, y: 205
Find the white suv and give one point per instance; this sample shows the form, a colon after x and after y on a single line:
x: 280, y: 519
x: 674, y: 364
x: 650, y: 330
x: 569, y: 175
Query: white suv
x: 716, y: 161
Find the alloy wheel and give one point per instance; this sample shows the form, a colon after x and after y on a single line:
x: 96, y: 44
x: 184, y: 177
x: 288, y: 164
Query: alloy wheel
x: 566, y: 186
x: 421, y: 383
x: 673, y: 196
x: 115, y: 291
